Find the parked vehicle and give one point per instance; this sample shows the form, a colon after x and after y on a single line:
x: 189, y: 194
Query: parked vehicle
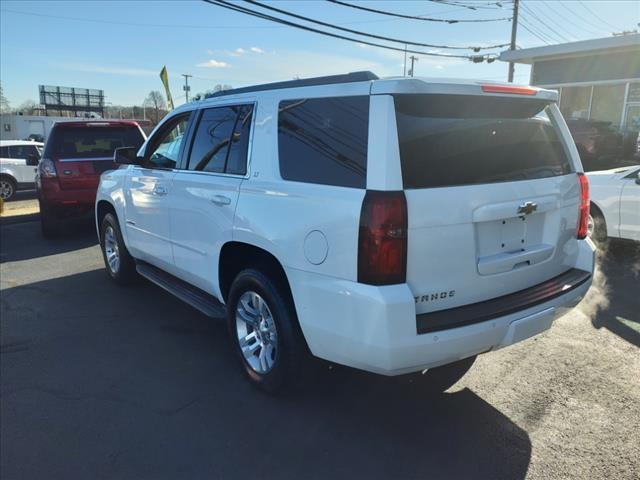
x: 389, y: 225
x: 600, y: 146
x: 18, y: 161
x: 615, y: 204
x: 75, y: 155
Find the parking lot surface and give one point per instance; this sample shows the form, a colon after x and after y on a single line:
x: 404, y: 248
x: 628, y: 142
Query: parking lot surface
x: 99, y: 381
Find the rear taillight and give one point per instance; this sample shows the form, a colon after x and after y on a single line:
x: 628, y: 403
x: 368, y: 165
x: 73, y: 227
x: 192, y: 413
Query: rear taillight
x: 47, y: 168
x: 583, y: 212
x: 382, y: 242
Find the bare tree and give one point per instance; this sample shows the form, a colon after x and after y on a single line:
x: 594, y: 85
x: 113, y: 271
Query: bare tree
x: 156, y: 101
x: 4, y: 103
x: 28, y: 107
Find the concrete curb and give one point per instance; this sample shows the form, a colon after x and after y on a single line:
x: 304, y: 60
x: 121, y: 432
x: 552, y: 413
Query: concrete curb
x: 15, y: 219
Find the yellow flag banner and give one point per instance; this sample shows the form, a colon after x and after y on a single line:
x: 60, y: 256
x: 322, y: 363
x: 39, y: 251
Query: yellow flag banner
x: 164, y: 76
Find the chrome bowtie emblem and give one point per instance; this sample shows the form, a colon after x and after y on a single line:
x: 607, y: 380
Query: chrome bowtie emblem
x: 527, y: 208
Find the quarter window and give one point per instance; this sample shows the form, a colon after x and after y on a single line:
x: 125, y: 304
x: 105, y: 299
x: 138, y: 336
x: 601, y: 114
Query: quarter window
x: 324, y: 140
x: 221, y: 141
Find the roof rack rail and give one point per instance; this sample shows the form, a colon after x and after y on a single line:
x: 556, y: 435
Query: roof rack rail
x: 363, y: 76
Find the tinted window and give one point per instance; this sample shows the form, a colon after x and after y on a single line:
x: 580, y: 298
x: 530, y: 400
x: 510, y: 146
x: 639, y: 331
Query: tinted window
x: 450, y: 140
x: 23, y: 151
x: 324, y: 140
x: 222, y: 140
x: 4, y: 152
x: 165, y: 148
x: 91, y: 142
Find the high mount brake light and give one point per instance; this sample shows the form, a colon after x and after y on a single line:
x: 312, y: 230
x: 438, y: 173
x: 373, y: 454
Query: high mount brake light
x: 382, y: 242
x: 583, y: 212
x: 486, y: 88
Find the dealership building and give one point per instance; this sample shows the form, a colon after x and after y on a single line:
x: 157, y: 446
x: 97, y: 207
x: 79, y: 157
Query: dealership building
x: 597, y: 79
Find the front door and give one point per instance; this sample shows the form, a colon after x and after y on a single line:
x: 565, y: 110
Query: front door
x: 149, y: 195
x: 205, y: 193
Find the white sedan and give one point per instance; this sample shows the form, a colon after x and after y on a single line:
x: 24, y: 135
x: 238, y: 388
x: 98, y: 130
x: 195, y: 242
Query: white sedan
x: 615, y: 203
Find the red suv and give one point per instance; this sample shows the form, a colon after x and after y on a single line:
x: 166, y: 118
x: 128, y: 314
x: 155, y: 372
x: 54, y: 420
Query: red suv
x: 75, y: 155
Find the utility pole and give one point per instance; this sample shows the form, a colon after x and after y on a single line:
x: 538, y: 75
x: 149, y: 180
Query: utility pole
x: 514, y: 30
x: 404, y: 70
x: 413, y: 58
x: 186, y: 87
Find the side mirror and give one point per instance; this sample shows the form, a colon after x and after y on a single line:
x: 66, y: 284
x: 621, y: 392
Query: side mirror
x: 126, y: 156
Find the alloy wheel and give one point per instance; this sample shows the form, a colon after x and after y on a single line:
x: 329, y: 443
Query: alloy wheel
x: 257, y: 333
x: 111, y: 250
x: 6, y: 189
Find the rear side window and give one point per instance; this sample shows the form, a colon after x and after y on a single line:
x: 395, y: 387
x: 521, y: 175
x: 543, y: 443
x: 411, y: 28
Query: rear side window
x: 324, y: 140
x: 4, y: 152
x: 221, y: 141
x: 91, y: 142
x: 448, y: 140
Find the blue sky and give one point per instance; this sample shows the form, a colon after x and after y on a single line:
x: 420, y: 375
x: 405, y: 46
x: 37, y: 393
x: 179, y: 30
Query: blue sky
x: 120, y: 46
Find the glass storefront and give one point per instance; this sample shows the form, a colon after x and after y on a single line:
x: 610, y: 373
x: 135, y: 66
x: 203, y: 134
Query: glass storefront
x: 574, y: 103
x: 607, y: 103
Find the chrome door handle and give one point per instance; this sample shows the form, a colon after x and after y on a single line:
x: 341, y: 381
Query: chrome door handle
x: 221, y: 200
x: 159, y: 190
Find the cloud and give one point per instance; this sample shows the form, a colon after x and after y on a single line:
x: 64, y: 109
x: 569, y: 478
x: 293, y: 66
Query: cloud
x: 210, y: 52
x: 111, y: 70
x: 238, y: 52
x: 257, y: 50
x: 213, y: 64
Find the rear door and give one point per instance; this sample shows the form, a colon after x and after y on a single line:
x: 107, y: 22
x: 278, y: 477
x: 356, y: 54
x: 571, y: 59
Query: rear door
x: 492, y: 196
x: 26, y: 159
x: 205, y: 192
x: 82, y: 151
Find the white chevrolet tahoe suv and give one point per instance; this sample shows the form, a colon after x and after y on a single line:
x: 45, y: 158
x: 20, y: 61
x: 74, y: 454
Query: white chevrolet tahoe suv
x: 392, y: 225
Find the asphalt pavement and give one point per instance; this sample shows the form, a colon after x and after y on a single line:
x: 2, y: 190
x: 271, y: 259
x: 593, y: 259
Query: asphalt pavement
x: 99, y: 381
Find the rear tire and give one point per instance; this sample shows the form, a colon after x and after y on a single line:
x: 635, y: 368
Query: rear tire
x: 48, y: 223
x: 118, y: 262
x: 264, y: 330
x: 8, y: 187
x: 597, y: 226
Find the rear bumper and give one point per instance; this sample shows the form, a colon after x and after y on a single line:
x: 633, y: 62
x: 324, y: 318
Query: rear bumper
x: 375, y: 328
x: 65, y: 202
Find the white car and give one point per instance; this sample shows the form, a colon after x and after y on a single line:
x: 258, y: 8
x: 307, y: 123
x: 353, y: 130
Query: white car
x: 18, y: 162
x: 391, y: 225
x: 615, y: 203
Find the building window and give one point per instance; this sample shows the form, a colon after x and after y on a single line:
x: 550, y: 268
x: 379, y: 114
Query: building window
x: 574, y: 103
x: 607, y: 103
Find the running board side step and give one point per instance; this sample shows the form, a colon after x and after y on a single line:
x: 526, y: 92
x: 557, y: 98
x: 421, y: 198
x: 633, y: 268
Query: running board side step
x: 198, y: 299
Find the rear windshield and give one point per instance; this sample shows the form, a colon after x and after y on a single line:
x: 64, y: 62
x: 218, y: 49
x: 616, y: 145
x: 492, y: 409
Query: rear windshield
x: 91, y: 142
x: 448, y: 140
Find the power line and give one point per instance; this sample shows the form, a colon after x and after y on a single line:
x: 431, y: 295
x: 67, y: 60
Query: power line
x: 475, y: 6
x: 247, y: 11
x: 561, y: 15
x: 549, y: 18
x: 412, y: 17
x: 532, y: 25
x: 579, y: 17
x: 379, y: 37
x: 584, y: 5
x: 533, y: 14
x: 523, y: 25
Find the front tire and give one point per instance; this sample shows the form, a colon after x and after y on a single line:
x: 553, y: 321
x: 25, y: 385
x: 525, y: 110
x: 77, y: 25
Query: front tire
x: 119, y: 264
x: 8, y: 188
x: 264, y: 329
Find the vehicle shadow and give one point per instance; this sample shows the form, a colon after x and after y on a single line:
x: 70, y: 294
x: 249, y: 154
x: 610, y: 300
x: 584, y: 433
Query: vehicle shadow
x: 615, y: 291
x: 23, y: 241
x: 139, y: 385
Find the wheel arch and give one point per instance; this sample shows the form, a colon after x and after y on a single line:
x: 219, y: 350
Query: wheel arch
x: 236, y: 256
x: 103, y: 207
